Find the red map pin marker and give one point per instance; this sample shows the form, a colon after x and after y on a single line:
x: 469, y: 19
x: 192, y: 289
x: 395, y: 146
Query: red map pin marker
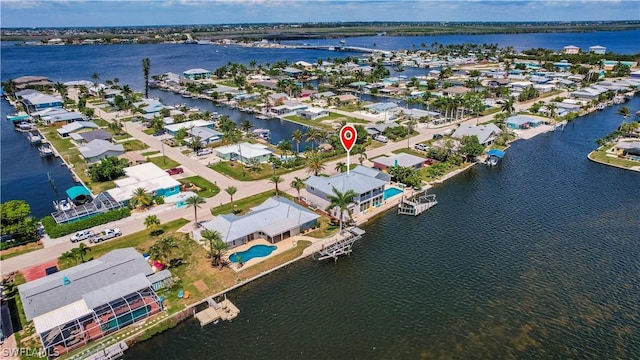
x: 348, y: 136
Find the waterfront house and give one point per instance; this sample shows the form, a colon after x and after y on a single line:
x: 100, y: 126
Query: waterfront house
x: 275, y: 219
x: 244, y: 152
x: 172, y: 129
x: 277, y: 98
x: 382, y: 108
x: 345, y: 99
x: 522, y: 122
x: 98, y: 149
x: 570, y: 49
x: 38, y: 101
x: 197, y: 74
x: 486, y: 134
x: 65, y: 130
x: 289, y: 107
x: 418, y: 114
x: 147, y: 176
x: 313, y: 113
x: 597, y: 49
x: 29, y: 81
x: 58, y: 115
x: 403, y: 160
x: 589, y: 93
x: 88, y: 136
x: 304, y: 64
x: 322, y: 95
x: 455, y: 91
x: 627, y: 149
x: 291, y: 71
x: 76, y: 306
x: 206, y: 135
x: 149, y: 106
x: 367, y: 183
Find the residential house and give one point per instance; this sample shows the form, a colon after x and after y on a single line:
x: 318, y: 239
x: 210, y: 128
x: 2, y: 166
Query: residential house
x: 323, y: 95
x: 455, y: 91
x: 313, y: 113
x: 570, y: 49
x: 277, y: 98
x: 276, y: 219
x: 382, y: 108
x: 197, y: 74
x: 25, y: 82
x: 147, y: 176
x: 289, y: 107
x: 291, y: 71
x: 418, y: 114
x: 206, y: 135
x: 97, y: 150
x: 149, y: 106
x: 597, y: 49
x: 172, y: 129
x: 65, y: 130
x: 627, y: 149
x: 589, y: 93
x: 365, y: 182
x: 345, y: 99
x: 84, y: 303
x: 37, y: 101
x: 88, y: 136
x: 244, y: 152
x: 522, y: 122
x: 59, y: 115
x: 486, y: 134
x: 403, y: 160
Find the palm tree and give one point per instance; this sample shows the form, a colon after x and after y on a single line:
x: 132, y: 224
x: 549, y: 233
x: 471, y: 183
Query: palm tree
x: 152, y: 223
x: 146, y: 67
x: 276, y: 179
x: 231, y: 190
x: 195, y: 201
x: 625, y: 112
x: 95, y: 77
x: 82, y: 250
x: 141, y: 198
x: 246, y: 126
x: 284, y: 146
x: 341, y: 202
x: 411, y: 124
x: 217, y: 246
x: 297, y: 136
x: 62, y: 90
x: 163, y: 248
x: 298, y: 184
x: 314, y: 163
x: 341, y: 167
x: 312, y: 136
x: 359, y: 149
x: 508, y: 106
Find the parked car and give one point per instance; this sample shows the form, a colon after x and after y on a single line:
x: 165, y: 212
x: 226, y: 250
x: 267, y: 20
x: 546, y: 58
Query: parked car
x: 175, y: 171
x: 203, y: 152
x: 82, y: 235
x: 429, y: 161
x: 421, y: 147
x: 381, y: 138
x: 437, y: 136
x: 158, y: 133
x: 105, y: 234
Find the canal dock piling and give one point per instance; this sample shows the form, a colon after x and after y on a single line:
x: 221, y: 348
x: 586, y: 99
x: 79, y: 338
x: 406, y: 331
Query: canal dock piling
x: 417, y: 204
x: 341, y: 244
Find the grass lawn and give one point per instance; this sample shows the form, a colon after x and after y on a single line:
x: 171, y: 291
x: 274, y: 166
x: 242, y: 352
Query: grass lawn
x: 601, y: 156
x: 325, y: 228
x: 133, y: 145
x: 141, y: 240
x: 410, y: 151
x: 164, y: 162
x: 122, y: 136
x: 242, y: 205
x: 101, y: 122
x: 148, y: 131
x: 234, y: 170
x: 147, y: 153
x: 99, y: 187
x: 208, y: 189
x: 19, y: 250
x: 490, y: 111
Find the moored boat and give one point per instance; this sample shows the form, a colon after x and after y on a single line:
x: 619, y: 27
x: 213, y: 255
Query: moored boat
x: 45, y: 150
x: 24, y: 126
x: 262, y: 133
x: 34, y: 138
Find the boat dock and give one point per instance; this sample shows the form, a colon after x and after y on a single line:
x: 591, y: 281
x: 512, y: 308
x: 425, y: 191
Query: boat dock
x: 341, y: 244
x: 417, y: 204
x: 224, y: 310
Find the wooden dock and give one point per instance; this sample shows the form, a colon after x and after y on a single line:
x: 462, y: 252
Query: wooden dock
x: 417, y: 204
x: 341, y: 244
x: 224, y: 310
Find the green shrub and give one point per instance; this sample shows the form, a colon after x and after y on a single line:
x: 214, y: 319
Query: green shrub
x: 55, y: 231
x: 158, y: 200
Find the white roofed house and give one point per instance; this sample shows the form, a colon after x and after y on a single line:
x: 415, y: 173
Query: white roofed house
x: 37, y: 101
x: 275, y: 219
x: 486, y: 134
x: 206, y: 135
x: 367, y: 183
x: 597, y: 49
x: 75, y: 126
x: 99, y: 149
x: 148, y: 176
x: 173, y: 129
x: 313, y: 113
x: 76, y: 306
x: 570, y: 49
x: 197, y: 74
x: 244, y: 152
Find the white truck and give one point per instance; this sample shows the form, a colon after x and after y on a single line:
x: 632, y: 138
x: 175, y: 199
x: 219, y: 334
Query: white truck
x: 105, y: 234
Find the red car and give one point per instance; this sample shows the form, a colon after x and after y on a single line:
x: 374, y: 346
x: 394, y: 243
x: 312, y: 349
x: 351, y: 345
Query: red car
x: 175, y: 171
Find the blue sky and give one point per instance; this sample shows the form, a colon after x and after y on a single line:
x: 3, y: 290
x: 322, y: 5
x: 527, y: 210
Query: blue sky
x: 70, y: 13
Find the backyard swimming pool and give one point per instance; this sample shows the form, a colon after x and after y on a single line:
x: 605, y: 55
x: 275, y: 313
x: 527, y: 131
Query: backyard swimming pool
x: 253, y: 252
x: 391, y: 192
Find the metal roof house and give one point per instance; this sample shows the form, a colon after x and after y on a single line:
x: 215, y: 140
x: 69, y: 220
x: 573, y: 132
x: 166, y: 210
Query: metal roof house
x: 402, y: 160
x: 367, y: 183
x: 98, y: 149
x: 197, y: 74
x: 81, y: 304
x: 486, y: 134
x: 206, y: 135
x: 244, y: 152
x: 522, y: 122
x: 148, y: 176
x: 75, y: 126
x: 38, y: 101
x: 275, y: 219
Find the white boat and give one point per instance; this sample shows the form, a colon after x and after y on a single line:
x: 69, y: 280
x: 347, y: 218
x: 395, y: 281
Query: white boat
x: 24, y: 125
x: 34, y: 138
x: 63, y: 205
x: 262, y: 133
x: 45, y: 150
x: 601, y: 106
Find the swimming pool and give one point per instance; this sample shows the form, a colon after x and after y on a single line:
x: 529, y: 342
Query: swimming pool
x: 391, y: 192
x: 255, y: 251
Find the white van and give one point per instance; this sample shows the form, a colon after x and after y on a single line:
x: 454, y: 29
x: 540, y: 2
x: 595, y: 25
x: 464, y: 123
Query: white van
x: 381, y: 138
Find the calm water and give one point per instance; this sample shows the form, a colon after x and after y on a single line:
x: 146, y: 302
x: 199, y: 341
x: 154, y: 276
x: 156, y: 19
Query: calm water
x: 535, y: 258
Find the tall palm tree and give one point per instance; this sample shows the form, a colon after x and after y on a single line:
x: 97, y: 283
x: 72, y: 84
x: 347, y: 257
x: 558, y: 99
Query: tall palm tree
x: 141, y: 198
x: 314, y: 163
x: 312, y: 136
x: 341, y: 167
x: 341, y: 202
x: 95, y: 77
x: 298, y: 184
x: 62, y: 90
x: 146, y: 68
x: 359, y: 149
x: 152, y: 223
x: 195, y: 201
x: 231, y: 190
x: 297, y: 136
x: 82, y: 250
x: 163, y: 249
x: 284, y: 146
x: 217, y: 246
x: 625, y: 112
x: 508, y: 106
x: 246, y: 126
x: 276, y: 179
x: 411, y: 125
